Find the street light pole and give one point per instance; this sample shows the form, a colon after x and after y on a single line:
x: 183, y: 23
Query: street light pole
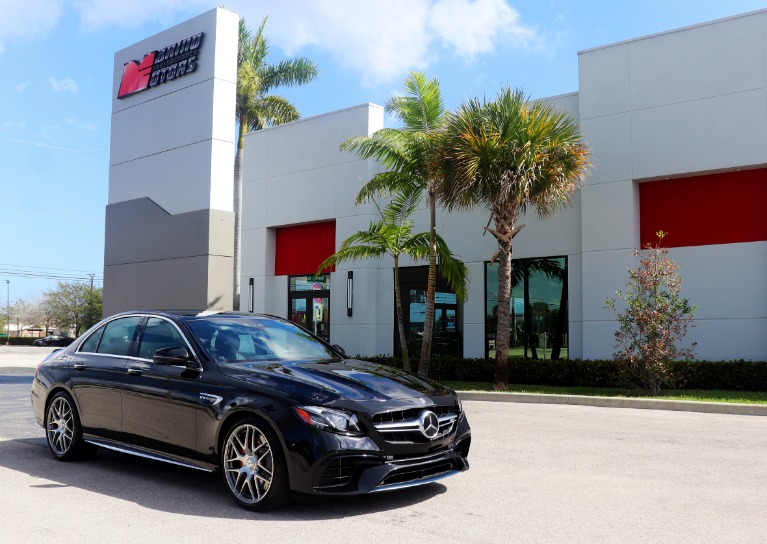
x: 8, y: 313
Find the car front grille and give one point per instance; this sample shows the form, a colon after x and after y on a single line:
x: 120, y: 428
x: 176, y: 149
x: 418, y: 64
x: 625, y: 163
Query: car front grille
x: 404, y: 426
x: 414, y: 468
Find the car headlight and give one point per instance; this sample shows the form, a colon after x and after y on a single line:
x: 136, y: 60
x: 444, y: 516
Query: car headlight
x: 459, y: 405
x: 329, y: 419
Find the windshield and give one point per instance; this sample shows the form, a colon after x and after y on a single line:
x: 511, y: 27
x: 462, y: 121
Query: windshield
x: 235, y: 338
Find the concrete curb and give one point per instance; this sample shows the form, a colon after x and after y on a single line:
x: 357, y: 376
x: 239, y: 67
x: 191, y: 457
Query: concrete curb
x: 620, y: 402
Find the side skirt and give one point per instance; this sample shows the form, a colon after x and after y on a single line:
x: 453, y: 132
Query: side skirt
x: 147, y: 454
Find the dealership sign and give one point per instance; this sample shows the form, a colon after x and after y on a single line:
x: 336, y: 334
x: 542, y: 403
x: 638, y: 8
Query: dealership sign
x: 157, y: 67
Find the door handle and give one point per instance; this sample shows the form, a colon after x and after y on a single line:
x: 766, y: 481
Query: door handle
x: 79, y: 366
x: 135, y: 371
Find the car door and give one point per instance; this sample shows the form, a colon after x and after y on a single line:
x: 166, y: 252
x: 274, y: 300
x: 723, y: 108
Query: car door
x: 98, y: 369
x: 160, y: 402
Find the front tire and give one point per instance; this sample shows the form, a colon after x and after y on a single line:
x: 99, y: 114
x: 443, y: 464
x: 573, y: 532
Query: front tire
x: 62, y: 429
x: 253, y: 466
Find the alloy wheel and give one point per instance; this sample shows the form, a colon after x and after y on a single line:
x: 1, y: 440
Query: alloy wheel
x: 60, y: 426
x: 248, y: 463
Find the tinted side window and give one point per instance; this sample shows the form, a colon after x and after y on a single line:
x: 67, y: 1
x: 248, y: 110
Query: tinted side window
x: 158, y: 334
x: 90, y: 345
x: 118, y: 336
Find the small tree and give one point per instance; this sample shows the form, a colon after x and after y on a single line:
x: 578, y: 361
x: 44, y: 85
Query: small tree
x: 393, y: 235
x: 43, y: 316
x: 21, y: 315
x: 74, y: 305
x: 655, y: 320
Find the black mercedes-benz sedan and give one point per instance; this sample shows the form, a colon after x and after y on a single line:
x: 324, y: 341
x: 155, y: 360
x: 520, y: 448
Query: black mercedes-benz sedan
x: 271, y: 406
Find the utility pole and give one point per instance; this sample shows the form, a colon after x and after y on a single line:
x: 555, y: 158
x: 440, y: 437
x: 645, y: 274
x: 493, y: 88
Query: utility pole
x: 90, y: 304
x: 8, y: 313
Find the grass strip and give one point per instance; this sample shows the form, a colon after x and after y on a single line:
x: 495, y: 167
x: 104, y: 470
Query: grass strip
x: 698, y: 395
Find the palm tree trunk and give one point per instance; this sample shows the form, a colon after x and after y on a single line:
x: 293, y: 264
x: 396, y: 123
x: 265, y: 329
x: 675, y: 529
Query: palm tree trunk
x: 500, y: 383
x: 400, y: 321
x: 431, y: 285
x: 237, y: 205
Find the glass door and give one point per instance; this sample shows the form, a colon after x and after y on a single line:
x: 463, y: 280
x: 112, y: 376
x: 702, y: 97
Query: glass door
x: 309, y: 304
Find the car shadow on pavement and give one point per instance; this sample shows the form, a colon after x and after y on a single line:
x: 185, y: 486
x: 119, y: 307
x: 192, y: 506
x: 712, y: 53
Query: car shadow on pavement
x: 165, y: 487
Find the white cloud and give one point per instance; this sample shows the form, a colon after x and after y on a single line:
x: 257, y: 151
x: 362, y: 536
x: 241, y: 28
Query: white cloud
x: 63, y: 85
x: 24, y: 20
x: 382, y: 41
x: 385, y: 40
x: 13, y: 125
x: 23, y: 86
x: 475, y: 27
x: 376, y: 39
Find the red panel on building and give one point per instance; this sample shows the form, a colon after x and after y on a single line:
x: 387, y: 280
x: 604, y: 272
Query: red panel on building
x: 705, y: 210
x: 301, y: 249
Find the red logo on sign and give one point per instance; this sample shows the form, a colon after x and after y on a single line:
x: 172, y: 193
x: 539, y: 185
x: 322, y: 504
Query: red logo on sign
x: 136, y: 75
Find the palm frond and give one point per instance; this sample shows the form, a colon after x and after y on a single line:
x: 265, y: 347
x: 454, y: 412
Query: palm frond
x: 402, y: 206
x: 387, y: 146
x: 289, y: 72
x: 387, y: 183
x: 453, y: 270
x: 270, y: 110
x: 421, y: 108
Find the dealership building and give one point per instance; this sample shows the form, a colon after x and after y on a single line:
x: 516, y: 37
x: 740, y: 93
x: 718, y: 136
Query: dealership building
x: 677, y: 126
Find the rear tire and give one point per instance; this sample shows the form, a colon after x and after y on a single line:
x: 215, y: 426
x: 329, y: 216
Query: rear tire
x: 253, y: 466
x: 63, y: 431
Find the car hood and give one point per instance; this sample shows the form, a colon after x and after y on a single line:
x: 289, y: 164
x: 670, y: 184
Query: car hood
x: 348, y: 379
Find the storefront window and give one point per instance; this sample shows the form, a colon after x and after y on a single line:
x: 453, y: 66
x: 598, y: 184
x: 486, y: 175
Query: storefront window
x: 309, y: 304
x: 538, y: 305
x: 447, y: 337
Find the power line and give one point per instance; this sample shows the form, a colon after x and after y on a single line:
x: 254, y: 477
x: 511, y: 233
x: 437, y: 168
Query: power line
x: 53, y: 147
x: 37, y: 272
x: 27, y: 133
x: 79, y: 279
x: 46, y: 268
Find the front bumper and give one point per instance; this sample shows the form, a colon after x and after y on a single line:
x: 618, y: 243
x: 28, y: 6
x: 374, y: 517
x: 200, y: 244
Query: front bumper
x: 355, y: 472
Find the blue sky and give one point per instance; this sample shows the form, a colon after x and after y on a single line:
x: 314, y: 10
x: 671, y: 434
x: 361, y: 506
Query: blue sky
x: 56, y: 58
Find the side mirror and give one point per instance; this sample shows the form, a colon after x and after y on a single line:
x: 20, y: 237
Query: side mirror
x: 340, y: 350
x: 173, y: 357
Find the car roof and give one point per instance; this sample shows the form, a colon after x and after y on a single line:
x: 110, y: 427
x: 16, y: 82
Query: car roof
x: 192, y: 313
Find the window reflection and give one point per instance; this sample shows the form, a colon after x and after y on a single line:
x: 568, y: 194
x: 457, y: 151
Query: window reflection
x: 538, y: 305
x: 447, y: 337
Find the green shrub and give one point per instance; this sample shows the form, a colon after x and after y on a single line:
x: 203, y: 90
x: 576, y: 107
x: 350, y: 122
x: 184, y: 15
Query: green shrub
x: 20, y: 341
x: 724, y: 375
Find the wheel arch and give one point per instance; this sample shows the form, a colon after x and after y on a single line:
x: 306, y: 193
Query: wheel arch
x: 241, y: 413
x: 56, y: 389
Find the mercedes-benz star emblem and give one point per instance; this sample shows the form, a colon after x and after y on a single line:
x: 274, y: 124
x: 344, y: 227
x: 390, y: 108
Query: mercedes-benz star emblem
x: 429, y: 424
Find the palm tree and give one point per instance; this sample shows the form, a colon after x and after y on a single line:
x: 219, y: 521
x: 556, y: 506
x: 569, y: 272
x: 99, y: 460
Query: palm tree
x: 410, y: 155
x: 393, y: 235
x: 509, y: 154
x: 256, y: 109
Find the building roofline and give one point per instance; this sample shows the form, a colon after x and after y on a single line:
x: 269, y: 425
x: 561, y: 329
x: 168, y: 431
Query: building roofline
x: 319, y: 115
x: 680, y: 29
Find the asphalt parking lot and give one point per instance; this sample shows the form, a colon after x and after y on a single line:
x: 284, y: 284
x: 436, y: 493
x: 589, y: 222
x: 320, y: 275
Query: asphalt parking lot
x: 540, y: 473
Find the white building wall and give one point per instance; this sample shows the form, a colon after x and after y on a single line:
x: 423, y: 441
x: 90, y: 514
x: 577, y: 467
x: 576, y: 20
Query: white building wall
x: 170, y: 164
x: 688, y: 101
x: 294, y: 174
